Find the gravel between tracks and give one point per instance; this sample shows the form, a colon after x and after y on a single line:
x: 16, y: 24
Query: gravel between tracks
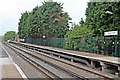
x: 29, y: 70
x: 59, y: 64
x: 62, y: 74
x: 80, y: 72
x: 65, y: 66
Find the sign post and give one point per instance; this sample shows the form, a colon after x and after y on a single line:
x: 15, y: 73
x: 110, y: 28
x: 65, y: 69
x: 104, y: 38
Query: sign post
x: 110, y: 33
x: 111, y: 44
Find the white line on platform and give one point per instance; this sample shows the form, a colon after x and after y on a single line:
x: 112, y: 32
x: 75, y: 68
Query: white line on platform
x: 17, y: 67
x: 19, y: 70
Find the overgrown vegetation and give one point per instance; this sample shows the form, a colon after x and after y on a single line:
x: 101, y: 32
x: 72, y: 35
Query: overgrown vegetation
x: 10, y: 35
x: 99, y: 20
x: 48, y: 20
x: 51, y: 21
x: 85, y: 35
x: 76, y: 37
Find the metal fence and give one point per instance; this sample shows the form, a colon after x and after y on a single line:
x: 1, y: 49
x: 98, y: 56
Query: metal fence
x: 91, y: 45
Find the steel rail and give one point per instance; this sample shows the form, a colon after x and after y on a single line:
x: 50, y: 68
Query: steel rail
x: 104, y: 76
x: 36, y: 51
x: 49, y: 75
x: 56, y: 66
x: 75, y: 66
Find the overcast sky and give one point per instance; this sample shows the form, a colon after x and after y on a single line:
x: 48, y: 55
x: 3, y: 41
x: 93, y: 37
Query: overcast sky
x: 10, y: 11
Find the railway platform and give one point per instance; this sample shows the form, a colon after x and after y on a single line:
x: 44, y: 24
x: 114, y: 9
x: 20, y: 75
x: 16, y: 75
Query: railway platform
x: 99, y: 57
x: 8, y: 69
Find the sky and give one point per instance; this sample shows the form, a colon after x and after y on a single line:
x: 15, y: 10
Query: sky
x: 10, y: 11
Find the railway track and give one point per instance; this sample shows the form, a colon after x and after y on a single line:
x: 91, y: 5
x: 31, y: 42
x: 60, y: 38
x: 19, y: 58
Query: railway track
x: 48, y: 75
x: 35, y: 61
x: 34, y: 56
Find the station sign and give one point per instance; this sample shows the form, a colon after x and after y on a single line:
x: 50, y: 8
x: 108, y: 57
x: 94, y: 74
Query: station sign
x: 110, y: 33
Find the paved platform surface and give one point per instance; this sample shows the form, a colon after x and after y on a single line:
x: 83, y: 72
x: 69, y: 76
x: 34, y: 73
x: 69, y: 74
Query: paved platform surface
x: 9, y: 71
x: 7, y: 68
x: 97, y: 57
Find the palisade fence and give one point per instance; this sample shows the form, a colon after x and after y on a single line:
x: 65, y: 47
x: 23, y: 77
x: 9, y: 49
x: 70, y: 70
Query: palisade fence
x: 91, y: 45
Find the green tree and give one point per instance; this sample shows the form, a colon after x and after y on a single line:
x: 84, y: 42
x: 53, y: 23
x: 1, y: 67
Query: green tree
x: 79, y: 32
x: 77, y: 36
x: 24, y: 24
x: 10, y: 35
x: 48, y: 20
x: 99, y: 20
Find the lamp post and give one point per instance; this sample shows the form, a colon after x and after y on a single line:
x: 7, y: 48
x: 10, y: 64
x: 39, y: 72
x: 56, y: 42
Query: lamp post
x: 109, y: 12
x: 112, y: 13
x: 43, y: 37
